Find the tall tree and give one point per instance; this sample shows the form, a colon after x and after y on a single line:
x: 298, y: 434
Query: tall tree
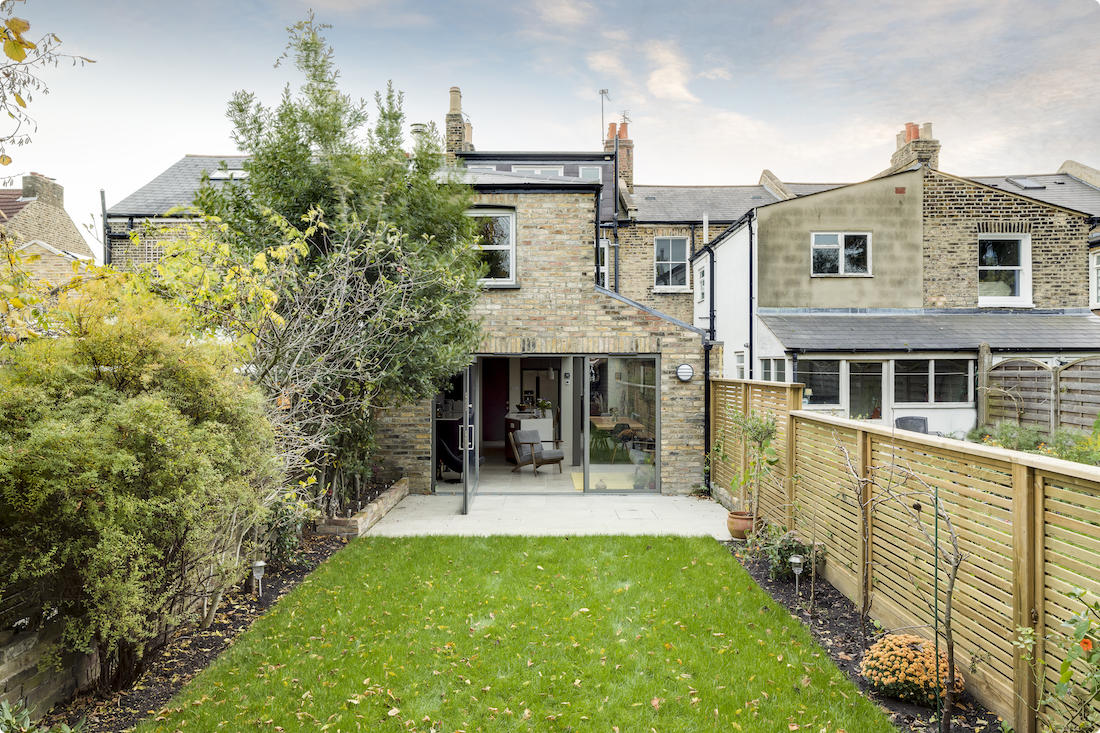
x: 362, y: 263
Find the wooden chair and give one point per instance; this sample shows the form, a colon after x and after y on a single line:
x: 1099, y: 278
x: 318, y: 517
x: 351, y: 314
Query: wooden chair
x: 527, y: 447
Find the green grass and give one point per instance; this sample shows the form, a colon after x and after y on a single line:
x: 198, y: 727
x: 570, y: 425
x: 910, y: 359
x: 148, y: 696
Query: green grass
x: 519, y: 633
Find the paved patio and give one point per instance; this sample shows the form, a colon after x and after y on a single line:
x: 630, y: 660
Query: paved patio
x: 555, y: 515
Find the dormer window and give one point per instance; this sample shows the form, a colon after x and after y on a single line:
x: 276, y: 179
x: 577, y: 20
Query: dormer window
x: 1004, y: 270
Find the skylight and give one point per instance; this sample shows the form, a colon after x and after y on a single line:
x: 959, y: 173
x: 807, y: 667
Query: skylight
x: 1025, y: 183
x: 228, y: 175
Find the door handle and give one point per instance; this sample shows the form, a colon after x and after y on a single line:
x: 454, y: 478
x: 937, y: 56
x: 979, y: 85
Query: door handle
x: 461, y: 439
x: 470, y: 437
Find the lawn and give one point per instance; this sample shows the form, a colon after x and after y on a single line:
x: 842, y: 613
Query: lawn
x: 516, y: 633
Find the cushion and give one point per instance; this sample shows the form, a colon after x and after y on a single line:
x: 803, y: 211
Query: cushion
x: 527, y: 436
x: 552, y: 454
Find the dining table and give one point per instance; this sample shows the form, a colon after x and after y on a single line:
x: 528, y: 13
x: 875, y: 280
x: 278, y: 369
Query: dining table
x: 608, y: 422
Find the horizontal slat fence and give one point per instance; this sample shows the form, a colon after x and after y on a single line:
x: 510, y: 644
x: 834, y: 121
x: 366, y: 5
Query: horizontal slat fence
x: 1029, y: 523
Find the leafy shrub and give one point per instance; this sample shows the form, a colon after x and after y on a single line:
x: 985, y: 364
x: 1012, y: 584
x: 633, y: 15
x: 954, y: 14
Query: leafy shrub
x: 1065, y: 443
x: 135, y: 465
x: 17, y: 719
x: 903, y: 666
x: 777, y: 544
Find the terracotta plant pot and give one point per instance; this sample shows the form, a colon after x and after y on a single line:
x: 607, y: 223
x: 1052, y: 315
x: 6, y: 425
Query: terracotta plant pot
x: 739, y: 524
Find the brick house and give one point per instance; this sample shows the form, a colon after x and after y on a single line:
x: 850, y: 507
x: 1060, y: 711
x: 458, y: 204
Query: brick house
x: 879, y: 295
x: 34, y: 217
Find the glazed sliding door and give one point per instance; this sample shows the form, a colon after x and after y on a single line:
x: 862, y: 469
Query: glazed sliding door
x: 622, y: 423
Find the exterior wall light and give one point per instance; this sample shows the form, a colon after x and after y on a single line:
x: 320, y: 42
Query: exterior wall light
x: 685, y: 372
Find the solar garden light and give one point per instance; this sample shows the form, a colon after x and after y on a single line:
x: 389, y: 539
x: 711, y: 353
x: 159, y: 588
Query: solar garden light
x: 258, y: 574
x: 796, y: 565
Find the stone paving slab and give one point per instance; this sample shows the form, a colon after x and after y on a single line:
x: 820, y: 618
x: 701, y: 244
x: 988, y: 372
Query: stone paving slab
x: 555, y: 515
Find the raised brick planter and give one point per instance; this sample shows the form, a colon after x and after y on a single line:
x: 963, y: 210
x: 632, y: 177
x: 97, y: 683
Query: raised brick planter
x: 357, y: 524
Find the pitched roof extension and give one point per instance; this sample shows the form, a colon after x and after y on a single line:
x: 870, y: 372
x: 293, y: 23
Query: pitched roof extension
x: 855, y: 332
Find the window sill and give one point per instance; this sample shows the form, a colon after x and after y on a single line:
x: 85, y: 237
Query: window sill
x: 841, y: 274
x: 1004, y: 303
x: 667, y: 290
x: 932, y: 405
x: 489, y: 285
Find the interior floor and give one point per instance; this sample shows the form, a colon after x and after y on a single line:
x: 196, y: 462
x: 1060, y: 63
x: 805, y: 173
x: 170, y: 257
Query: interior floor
x: 497, y: 477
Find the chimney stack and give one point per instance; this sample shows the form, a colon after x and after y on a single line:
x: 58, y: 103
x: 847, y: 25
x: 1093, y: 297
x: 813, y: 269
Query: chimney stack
x: 626, y: 152
x: 45, y: 189
x: 459, y: 133
x: 915, y: 145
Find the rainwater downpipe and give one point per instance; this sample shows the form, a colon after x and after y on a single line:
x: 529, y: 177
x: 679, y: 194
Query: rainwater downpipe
x: 615, y: 192
x: 752, y: 295
x: 708, y: 344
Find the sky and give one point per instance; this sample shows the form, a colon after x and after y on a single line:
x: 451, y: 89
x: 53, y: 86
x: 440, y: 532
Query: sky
x: 716, y: 91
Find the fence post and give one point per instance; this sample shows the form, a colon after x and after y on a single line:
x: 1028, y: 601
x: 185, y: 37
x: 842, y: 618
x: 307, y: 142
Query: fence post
x: 985, y: 363
x: 1055, y: 398
x: 746, y: 400
x: 794, y: 402
x: 1027, y: 540
x: 863, y: 466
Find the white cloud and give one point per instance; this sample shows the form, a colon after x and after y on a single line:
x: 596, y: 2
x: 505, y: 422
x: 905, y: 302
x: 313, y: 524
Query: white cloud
x: 570, y: 13
x: 717, y: 72
x: 669, y: 77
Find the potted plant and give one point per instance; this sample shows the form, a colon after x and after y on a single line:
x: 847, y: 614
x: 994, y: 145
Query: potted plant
x: 757, y: 433
x: 542, y: 406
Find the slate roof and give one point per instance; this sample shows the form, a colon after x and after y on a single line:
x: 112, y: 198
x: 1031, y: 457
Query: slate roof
x: 719, y: 203
x: 812, y: 332
x: 11, y: 202
x: 689, y: 203
x: 174, y: 187
x: 1060, y: 189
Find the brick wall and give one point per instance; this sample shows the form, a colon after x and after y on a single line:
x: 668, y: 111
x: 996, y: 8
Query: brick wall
x: 48, y: 266
x: 556, y: 310
x: 125, y: 253
x: 955, y: 214
x: 26, y: 641
x: 636, y: 267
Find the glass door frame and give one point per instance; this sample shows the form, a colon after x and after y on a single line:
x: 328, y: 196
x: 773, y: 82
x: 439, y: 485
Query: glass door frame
x: 885, y: 380
x: 586, y: 463
x: 468, y: 439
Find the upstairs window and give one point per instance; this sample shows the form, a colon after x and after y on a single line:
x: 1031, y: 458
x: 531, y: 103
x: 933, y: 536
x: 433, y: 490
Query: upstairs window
x: 590, y: 172
x: 538, y: 170
x: 670, y: 264
x: 700, y: 284
x: 496, y: 232
x: 1004, y: 270
x: 840, y: 253
x: 1094, y: 279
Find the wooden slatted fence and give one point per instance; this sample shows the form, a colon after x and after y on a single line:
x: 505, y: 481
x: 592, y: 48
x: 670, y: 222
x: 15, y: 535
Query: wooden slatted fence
x: 1032, y: 393
x: 1030, y: 523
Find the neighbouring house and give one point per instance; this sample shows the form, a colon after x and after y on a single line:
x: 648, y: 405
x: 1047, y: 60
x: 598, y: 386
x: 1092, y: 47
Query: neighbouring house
x: 880, y: 295
x: 34, y: 217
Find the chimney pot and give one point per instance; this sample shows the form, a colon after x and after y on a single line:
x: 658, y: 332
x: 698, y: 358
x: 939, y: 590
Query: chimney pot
x: 611, y: 131
x: 912, y: 132
x: 622, y: 131
x: 456, y: 101
x: 926, y: 131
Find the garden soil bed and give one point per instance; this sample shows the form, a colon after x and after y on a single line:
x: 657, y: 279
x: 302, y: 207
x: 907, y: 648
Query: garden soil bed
x: 835, y: 626
x: 189, y: 652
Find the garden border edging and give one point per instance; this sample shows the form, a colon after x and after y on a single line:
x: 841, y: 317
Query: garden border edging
x: 359, y: 523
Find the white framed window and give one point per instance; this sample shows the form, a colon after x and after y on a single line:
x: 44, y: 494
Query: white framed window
x: 700, y: 284
x: 773, y: 370
x: 1094, y: 279
x: 822, y: 380
x: 933, y: 381
x: 1004, y: 270
x: 482, y: 168
x: 840, y: 254
x: 590, y: 172
x: 496, y: 231
x: 739, y: 365
x: 670, y: 264
x: 538, y: 170
x: 604, y: 267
